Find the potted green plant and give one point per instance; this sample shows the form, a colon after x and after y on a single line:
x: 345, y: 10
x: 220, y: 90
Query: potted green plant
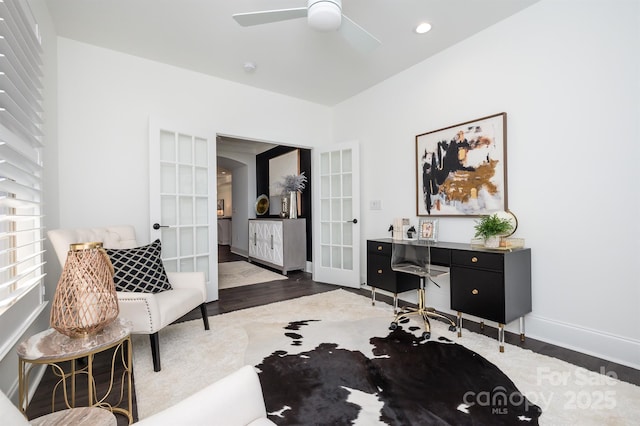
x: 491, y: 228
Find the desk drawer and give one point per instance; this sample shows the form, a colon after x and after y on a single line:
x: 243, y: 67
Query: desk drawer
x: 379, y: 273
x: 478, y: 259
x: 380, y: 248
x: 478, y: 292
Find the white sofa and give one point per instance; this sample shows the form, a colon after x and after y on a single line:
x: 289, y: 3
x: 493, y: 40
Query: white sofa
x: 235, y: 400
x: 148, y: 312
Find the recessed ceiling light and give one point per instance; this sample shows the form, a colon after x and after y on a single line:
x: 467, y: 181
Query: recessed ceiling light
x: 250, y: 67
x: 424, y: 27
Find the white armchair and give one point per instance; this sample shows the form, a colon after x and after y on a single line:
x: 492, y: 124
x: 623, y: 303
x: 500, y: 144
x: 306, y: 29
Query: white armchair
x: 148, y: 312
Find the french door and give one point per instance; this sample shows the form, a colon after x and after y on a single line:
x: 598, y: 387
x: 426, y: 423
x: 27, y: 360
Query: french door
x: 336, y: 244
x: 182, y: 170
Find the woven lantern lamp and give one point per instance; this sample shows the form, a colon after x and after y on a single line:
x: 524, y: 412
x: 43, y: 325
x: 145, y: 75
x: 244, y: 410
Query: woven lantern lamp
x: 85, y: 300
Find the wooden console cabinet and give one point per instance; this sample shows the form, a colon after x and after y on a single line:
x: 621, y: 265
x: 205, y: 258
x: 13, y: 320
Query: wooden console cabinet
x: 278, y: 243
x: 490, y: 284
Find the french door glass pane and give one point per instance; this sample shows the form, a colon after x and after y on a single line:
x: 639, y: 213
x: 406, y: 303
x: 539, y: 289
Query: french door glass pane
x: 336, y: 187
x: 336, y: 234
x: 170, y: 265
x: 335, y: 162
x: 347, y: 234
x: 167, y: 179
x: 186, y: 211
x: 202, y: 178
x: 186, y: 242
x: 169, y: 212
x: 346, y: 185
x: 185, y: 179
x: 336, y: 257
x: 202, y: 210
x: 169, y: 242
x: 326, y: 233
x: 202, y: 240
x: 336, y: 210
x: 186, y: 264
x: 185, y: 149
x: 326, y: 256
x: 201, y: 152
x: 347, y: 209
x: 346, y: 161
x: 167, y: 147
x: 347, y: 258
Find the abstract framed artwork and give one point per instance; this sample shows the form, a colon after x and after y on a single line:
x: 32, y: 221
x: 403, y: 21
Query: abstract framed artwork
x: 461, y: 170
x: 428, y: 230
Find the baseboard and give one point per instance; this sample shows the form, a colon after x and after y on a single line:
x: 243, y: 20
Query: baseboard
x: 239, y: 252
x: 618, y: 349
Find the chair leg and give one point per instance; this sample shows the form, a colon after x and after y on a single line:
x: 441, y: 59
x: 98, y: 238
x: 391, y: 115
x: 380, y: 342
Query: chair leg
x: 155, y: 350
x: 205, y: 316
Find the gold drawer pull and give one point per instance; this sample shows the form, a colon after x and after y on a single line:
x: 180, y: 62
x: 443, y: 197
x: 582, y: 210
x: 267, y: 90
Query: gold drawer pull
x: 474, y: 291
x: 474, y: 259
x: 379, y: 248
x: 379, y: 271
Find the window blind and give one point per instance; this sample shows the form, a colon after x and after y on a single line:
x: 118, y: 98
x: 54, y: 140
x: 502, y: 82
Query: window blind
x: 21, y: 230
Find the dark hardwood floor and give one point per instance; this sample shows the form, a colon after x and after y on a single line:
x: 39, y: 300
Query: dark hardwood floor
x: 297, y: 285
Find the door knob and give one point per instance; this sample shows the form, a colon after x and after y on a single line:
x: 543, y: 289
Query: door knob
x: 158, y: 226
x: 353, y: 221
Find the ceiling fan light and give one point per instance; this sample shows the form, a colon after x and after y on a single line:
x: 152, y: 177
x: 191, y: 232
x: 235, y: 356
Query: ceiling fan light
x: 324, y: 15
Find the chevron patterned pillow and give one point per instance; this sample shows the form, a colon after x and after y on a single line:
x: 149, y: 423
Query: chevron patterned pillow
x: 139, y: 269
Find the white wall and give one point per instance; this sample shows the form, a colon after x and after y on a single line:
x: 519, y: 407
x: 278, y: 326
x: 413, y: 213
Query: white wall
x: 106, y: 99
x: 567, y: 74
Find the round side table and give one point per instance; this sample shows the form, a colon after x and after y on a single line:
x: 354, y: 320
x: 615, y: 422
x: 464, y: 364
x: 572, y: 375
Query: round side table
x: 54, y: 349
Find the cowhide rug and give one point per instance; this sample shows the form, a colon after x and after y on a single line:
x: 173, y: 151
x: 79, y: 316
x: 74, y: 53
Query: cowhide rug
x: 352, y: 355
x: 403, y: 380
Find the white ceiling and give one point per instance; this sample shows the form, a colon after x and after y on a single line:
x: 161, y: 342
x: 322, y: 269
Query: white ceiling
x: 291, y: 58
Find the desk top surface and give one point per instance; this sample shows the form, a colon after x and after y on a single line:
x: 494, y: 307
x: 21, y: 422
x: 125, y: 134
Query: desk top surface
x: 50, y: 344
x: 444, y: 245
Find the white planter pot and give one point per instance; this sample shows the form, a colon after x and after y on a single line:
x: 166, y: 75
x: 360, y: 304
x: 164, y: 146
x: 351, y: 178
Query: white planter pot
x: 492, y: 242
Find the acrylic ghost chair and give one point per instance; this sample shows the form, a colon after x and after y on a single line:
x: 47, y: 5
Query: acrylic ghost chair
x: 415, y: 258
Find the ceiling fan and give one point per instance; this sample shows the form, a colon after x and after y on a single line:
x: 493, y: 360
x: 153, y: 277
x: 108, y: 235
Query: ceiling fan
x: 322, y: 15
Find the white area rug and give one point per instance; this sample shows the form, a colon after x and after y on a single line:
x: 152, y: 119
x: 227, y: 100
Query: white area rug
x: 237, y: 274
x: 192, y: 358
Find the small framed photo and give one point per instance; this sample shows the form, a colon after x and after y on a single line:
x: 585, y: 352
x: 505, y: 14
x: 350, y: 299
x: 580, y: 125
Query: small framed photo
x: 428, y: 230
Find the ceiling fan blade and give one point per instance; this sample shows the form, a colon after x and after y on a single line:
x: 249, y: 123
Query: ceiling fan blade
x: 268, y: 16
x: 357, y: 37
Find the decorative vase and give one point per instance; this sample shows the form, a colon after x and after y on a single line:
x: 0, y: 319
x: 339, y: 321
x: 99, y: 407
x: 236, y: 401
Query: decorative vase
x: 284, y: 206
x: 293, y: 205
x: 85, y: 300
